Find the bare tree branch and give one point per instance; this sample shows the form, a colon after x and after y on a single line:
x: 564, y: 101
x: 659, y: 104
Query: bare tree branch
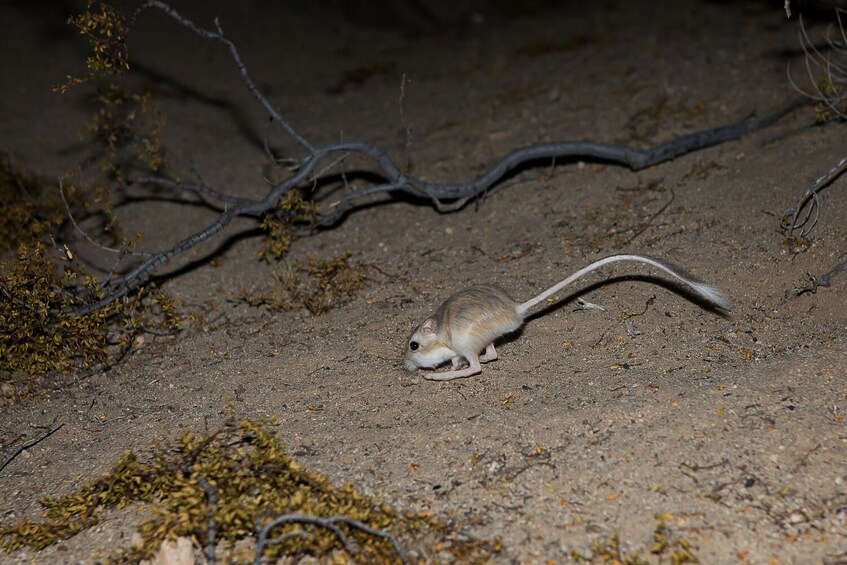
x: 212, y: 530
x: 828, y: 75
x: 815, y: 282
x: 242, y: 68
x: 810, y: 203
x: 444, y: 196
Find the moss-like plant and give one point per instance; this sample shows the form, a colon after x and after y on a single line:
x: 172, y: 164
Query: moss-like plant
x: 318, y: 285
x: 676, y: 549
x: 609, y: 552
x: 240, y: 478
x: 292, y: 209
x: 125, y: 130
x: 106, y: 29
x: 30, y: 210
x: 43, y: 285
x: 665, y: 547
x: 39, y: 334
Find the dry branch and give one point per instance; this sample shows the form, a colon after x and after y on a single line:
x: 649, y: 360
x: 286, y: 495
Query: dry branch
x: 262, y: 533
x: 827, y: 74
x: 824, y: 280
x: 18, y: 450
x: 305, y: 171
x: 212, y: 531
x: 804, y: 216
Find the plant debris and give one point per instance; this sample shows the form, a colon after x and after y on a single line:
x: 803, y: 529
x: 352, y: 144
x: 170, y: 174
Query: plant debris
x: 239, y: 484
x: 317, y: 285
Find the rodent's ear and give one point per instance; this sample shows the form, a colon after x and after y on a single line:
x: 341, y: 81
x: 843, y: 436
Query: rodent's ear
x: 428, y: 326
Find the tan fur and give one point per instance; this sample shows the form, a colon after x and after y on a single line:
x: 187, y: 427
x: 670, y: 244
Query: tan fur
x: 476, y: 316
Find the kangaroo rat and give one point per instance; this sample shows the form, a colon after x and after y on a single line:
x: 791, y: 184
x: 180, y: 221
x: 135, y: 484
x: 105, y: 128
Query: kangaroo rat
x: 470, y: 320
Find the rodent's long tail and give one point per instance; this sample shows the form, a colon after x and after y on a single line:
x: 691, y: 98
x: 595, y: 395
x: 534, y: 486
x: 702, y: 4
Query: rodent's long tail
x: 709, y: 293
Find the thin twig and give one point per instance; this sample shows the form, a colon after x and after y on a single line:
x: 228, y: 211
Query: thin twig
x: 106, y: 248
x: 824, y: 69
x: 100, y: 368
x: 823, y: 280
x: 647, y: 224
x: 809, y: 202
x: 406, y: 128
x: 242, y: 69
x: 41, y: 437
x: 199, y: 189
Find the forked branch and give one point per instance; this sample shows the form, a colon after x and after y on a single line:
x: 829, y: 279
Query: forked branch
x: 444, y: 196
x: 826, y: 71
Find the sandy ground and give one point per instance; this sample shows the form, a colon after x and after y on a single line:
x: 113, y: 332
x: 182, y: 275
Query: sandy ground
x: 591, y: 422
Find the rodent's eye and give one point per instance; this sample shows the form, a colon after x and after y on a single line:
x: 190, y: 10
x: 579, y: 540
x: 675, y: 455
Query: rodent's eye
x: 414, y: 345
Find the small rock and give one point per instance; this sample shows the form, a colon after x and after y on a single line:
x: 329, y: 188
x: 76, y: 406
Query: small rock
x: 446, y: 557
x: 796, y: 518
x: 170, y: 553
x: 518, y: 250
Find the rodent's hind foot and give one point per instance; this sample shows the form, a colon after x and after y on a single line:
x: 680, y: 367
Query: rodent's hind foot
x: 473, y: 369
x: 489, y: 355
x: 450, y: 375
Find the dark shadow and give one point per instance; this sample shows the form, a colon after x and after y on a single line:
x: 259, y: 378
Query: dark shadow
x: 224, y: 246
x: 170, y: 86
x: 54, y: 19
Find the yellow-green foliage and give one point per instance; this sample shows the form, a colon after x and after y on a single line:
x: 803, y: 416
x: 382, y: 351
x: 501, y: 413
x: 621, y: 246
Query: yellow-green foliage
x: 127, y: 127
x: 666, y: 548
x: 254, y: 481
x: 30, y: 206
x: 677, y: 550
x: 609, y: 552
x: 38, y: 333
x: 105, y: 28
x: 291, y: 209
x: 317, y: 285
x: 36, y: 337
x: 41, y: 283
x: 829, y: 90
x: 36, y: 208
